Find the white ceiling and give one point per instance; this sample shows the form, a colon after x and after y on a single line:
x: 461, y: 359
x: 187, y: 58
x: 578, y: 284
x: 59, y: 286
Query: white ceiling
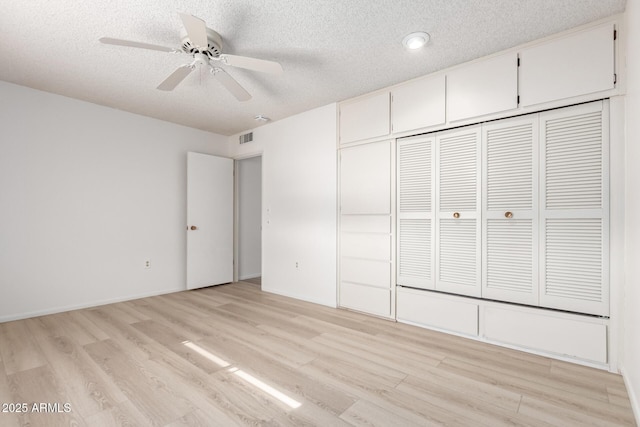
x: 330, y: 50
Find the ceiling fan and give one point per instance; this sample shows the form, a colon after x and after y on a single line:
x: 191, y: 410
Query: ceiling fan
x: 205, y: 47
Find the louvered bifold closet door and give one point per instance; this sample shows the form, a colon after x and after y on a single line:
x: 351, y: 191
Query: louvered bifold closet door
x: 458, y: 211
x: 415, y: 212
x: 509, y: 210
x: 574, y: 212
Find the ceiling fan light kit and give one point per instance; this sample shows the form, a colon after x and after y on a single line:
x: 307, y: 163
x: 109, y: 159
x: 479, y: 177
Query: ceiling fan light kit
x: 205, y: 46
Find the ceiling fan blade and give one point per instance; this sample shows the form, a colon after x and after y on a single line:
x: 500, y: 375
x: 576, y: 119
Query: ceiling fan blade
x: 232, y: 86
x: 252, y: 63
x: 129, y: 43
x: 196, y: 29
x: 176, y: 77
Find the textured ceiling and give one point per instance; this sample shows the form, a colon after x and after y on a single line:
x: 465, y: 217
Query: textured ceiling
x: 330, y: 50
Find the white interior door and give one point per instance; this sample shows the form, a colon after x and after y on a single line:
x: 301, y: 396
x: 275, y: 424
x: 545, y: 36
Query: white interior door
x: 209, y: 220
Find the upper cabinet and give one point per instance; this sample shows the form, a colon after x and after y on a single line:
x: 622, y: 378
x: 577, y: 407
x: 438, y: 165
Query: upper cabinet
x: 574, y: 67
x: 365, y: 118
x: 418, y: 104
x: 484, y: 87
x: 569, y: 66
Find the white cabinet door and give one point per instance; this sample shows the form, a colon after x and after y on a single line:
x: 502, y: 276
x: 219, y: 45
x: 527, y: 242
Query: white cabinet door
x: 574, y: 209
x: 458, y: 211
x: 416, y: 232
x: 418, y: 104
x: 509, y: 210
x: 365, y: 118
x: 365, y: 179
x: 567, y: 67
x: 484, y: 87
x: 366, y: 228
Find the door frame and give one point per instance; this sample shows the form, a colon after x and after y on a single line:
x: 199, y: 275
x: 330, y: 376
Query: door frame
x: 236, y: 211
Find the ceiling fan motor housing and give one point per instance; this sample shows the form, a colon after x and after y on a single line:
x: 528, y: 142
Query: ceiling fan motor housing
x: 213, y: 49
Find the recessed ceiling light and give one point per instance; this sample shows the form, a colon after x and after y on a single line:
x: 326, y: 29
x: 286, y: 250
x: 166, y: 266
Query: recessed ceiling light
x: 415, y: 40
x: 261, y: 118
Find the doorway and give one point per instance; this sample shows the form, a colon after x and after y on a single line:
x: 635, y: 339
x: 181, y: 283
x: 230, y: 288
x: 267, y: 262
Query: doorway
x: 248, y: 266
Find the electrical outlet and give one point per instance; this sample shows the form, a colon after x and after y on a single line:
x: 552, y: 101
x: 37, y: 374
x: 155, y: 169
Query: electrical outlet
x: 147, y: 263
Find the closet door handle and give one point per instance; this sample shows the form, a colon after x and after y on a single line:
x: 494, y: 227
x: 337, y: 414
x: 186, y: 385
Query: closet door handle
x: 508, y: 215
x: 456, y: 215
x: 193, y: 227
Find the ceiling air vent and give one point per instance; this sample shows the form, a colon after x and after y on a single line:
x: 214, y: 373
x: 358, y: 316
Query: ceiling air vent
x: 247, y: 137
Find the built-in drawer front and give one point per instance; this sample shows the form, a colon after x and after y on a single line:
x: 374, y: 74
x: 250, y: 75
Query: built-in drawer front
x: 365, y: 245
x: 437, y: 311
x: 366, y: 272
x: 575, y: 336
x: 366, y: 298
x: 365, y: 223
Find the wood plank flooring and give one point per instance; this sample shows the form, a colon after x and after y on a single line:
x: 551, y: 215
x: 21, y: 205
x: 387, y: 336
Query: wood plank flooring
x: 233, y: 355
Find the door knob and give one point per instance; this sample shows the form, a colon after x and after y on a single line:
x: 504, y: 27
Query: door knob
x: 193, y: 227
x: 456, y: 215
x: 508, y: 214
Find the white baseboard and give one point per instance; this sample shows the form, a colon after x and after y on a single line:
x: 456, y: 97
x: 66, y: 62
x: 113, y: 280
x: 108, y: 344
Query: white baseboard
x: 96, y: 303
x: 634, y: 397
x: 332, y: 304
x: 249, y: 276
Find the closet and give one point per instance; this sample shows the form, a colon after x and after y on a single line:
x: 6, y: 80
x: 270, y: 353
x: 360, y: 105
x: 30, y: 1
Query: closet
x: 475, y: 200
x: 497, y: 235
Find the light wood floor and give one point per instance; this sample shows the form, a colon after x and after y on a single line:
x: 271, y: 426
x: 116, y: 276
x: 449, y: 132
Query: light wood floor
x: 206, y: 358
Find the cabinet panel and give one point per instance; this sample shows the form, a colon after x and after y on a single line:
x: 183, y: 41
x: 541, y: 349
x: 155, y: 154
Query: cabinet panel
x: 571, y: 66
x: 510, y: 219
x: 458, y: 188
x: 419, y: 104
x: 428, y: 309
x: 365, y: 118
x: 415, y: 174
x: 509, y: 268
x: 366, y: 228
x: 367, y: 272
x: 415, y: 212
x: 365, y: 179
x: 574, y: 212
x: 365, y: 245
x: 565, y: 336
x: 415, y: 266
x: 484, y: 87
x: 366, y: 298
x: 365, y: 223
x: 458, y: 170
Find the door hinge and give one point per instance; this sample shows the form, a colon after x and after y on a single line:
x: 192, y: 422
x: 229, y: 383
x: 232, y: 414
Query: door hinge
x: 615, y: 34
x: 518, y: 100
x: 518, y: 62
x: 615, y: 78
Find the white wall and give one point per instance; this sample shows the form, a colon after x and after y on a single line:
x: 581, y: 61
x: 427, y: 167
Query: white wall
x: 87, y: 194
x: 299, y: 204
x: 631, y: 356
x: 249, y: 176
